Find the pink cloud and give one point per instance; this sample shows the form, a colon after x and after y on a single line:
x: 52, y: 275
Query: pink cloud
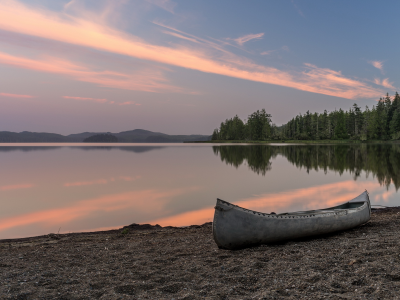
x: 330, y: 82
x: 184, y: 35
x: 377, y: 64
x: 16, y: 17
x: 87, y: 99
x: 15, y: 187
x: 181, y: 36
x: 243, y: 39
x: 144, y: 80
x: 385, y: 83
x: 15, y: 96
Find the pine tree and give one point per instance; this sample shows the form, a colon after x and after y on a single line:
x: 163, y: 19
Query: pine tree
x: 395, y: 121
x: 358, y: 119
x: 214, y: 136
x: 340, y: 128
x: 351, y: 123
x: 395, y: 125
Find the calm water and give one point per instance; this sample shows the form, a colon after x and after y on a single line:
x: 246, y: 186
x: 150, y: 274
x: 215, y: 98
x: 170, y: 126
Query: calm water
x: 69, y: 188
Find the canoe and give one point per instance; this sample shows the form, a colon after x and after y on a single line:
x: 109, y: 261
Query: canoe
x: 236, y: 227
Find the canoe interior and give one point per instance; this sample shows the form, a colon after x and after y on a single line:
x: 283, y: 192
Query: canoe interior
x: 348, y: 205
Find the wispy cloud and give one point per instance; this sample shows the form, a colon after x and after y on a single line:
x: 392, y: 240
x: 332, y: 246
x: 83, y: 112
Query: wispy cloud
x: 284, y: 48
x: 377, y: 64
x: 16, y: 96
x: 204, y: 42
x: 70, y: 3
x: 167, y: 5
x: 385, y: 83
x: 86, y: 99
x: 150, y: 80
x: 181, y: 36
x: 243, y: 39
x: 298, y: 9
x: 62, y: 27
x: 330, y: 82
x: 15, y: 187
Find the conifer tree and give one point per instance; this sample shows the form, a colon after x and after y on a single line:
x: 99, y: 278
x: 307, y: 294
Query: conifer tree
x: 340, y: 128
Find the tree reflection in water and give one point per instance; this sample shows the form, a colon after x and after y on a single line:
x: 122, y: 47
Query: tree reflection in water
x: 380, y: 160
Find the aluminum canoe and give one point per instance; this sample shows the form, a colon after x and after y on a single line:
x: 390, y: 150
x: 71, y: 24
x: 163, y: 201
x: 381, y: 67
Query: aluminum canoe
x: 236, y: 227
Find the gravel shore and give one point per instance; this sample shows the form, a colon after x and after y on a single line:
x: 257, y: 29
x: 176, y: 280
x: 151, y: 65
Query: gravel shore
x: 153, y: 262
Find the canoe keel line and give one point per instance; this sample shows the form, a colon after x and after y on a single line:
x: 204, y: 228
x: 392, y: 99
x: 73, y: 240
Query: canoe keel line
x: 235, y: 227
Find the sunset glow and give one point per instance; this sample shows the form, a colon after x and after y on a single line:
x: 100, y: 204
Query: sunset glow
x: 140, y: 55
x: 303, y: 199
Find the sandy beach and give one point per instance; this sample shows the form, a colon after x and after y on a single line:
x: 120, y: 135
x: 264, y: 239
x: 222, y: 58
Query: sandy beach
x: 152, y: 262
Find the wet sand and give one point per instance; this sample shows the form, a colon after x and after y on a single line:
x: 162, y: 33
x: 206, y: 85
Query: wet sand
x: 149, y: 262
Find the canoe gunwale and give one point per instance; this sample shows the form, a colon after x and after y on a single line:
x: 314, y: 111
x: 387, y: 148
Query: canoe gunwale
x: 316, y: 213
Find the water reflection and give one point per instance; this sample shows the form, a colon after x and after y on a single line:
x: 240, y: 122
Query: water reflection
x: 135, y: 149
x: 380, y: 160
x: 91, y: 188
x: 26, y: 148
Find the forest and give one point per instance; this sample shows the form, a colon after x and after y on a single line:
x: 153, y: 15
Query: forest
x: 381, y: 122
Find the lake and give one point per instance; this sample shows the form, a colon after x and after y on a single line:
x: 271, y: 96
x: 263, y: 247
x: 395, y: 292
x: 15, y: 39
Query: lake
x: 50, y: 188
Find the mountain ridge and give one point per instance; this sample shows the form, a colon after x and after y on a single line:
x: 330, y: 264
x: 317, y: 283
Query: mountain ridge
x: 130, y: 136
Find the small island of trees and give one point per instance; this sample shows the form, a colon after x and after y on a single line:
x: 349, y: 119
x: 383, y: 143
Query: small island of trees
x: 382, y: 122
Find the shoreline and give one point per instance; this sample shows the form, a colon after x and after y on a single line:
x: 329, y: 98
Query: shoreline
x: 134, y: 227
x: 323, y: 142
x: 131, y: 227
x: 154, y: 262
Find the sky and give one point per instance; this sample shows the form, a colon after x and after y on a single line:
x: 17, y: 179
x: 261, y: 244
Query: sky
x: 182, y: 67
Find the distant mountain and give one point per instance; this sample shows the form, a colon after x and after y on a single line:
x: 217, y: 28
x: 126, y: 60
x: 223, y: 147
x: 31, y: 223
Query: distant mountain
x: 32, y: 137
x: 101, y: 138
x: 132, y: 136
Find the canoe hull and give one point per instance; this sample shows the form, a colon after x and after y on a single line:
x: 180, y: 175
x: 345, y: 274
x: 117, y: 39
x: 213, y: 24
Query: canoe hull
x: 235, y: 227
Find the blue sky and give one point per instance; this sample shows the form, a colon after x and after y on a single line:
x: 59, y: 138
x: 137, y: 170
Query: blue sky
x: 182, y: 67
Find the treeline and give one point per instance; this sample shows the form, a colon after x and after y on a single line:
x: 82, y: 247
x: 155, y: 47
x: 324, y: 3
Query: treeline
x: 258, y: 127
x: 382, y: 122
x: 380, y: 160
